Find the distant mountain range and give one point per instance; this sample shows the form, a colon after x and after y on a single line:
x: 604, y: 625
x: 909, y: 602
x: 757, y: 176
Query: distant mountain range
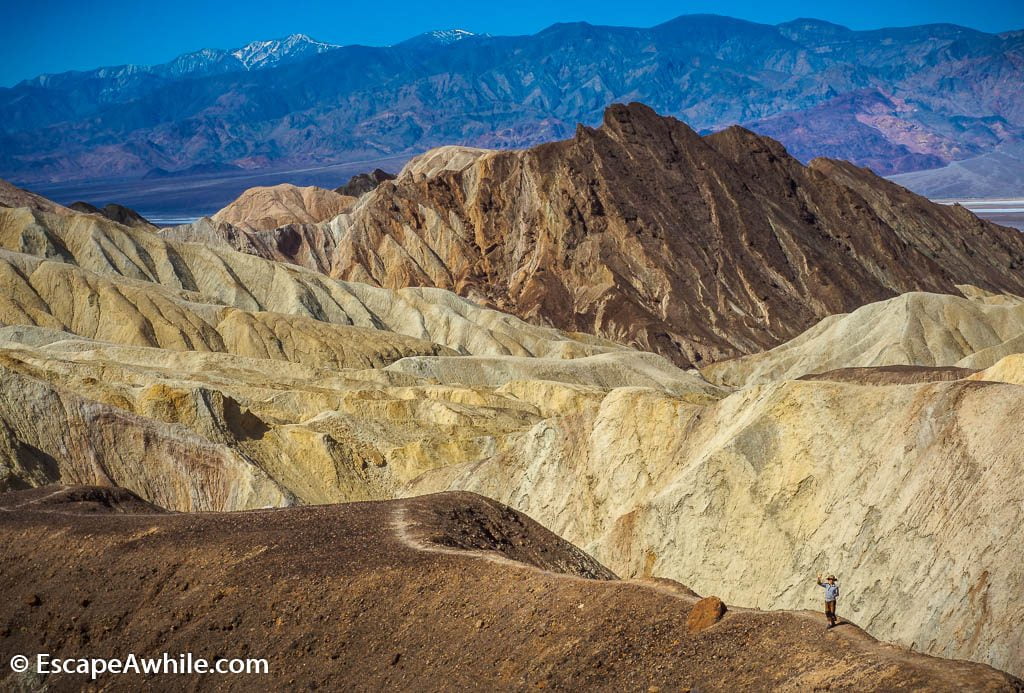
x: 896, y: 100
x: 208, y: 61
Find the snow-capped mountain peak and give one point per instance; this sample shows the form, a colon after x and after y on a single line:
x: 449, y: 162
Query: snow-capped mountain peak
x: 441, y: 37
x: 446, y: 36
x: 252, y: 56
x: 205, y: 61
x: 259, y: 54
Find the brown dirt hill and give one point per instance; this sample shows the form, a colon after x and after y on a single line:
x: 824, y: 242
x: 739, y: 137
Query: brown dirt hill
x: 642, y: 231
x: 449, y: 591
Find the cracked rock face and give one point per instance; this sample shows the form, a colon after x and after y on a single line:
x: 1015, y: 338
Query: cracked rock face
x: 641, y: 231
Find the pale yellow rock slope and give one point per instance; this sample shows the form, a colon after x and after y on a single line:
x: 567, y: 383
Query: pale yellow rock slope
x: 129, y: 351
x: 916, y: 328
x: 440, y: 159
x: 260, y: 432
x: 61, y: 296
x: 212, y: 278
x: 605, y: 371
x: 1009, y: 369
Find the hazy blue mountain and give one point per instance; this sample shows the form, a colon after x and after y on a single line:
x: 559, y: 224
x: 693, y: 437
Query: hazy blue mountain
x: 897, y: 100
x: 252, y: 56
x: 81, y: 93
x: 999, y: 173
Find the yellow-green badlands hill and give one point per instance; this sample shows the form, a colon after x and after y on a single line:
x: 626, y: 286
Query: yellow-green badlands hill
x: 201, y: 378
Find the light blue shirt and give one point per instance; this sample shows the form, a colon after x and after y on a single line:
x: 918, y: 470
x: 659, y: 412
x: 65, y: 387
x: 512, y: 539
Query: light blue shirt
x: 831, y: 591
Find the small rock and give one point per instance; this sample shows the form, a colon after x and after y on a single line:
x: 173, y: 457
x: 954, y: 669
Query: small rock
x: 704, y: 614
x: 394, y: 660
x: 479, y: 624
x: 33, y: 600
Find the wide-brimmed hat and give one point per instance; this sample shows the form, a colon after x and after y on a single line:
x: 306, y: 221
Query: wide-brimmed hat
x: 831, y: 577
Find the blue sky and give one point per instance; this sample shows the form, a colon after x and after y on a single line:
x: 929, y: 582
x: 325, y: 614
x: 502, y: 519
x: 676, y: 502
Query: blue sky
x: 38, y: 36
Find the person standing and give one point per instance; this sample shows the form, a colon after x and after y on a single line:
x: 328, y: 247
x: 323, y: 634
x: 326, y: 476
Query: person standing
x: 831, y: 595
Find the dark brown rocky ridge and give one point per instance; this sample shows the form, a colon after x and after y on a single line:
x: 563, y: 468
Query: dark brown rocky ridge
x: 114, y: 212
x: 362, y: 183
x: 443, y: 591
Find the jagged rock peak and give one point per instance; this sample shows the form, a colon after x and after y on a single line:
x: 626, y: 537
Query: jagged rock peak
x: 637, y: 121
